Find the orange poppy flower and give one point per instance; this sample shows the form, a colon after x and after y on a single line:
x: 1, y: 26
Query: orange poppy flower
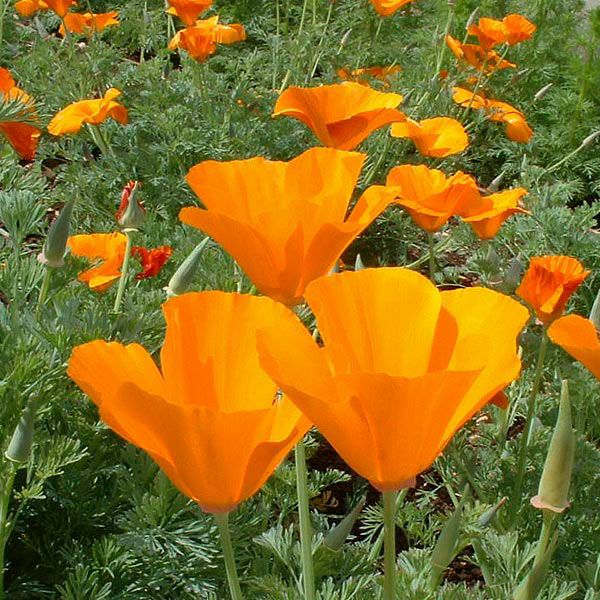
x: 511, y: 30
x: 211, y: 418
x: 27, y: 8
x: 517, y: 128
x: 107, y: 247
x: 188, y: 10
x: 201, y: 39
x: 438, y: 137
x: 549, y: 283
x: 519, y: 28
x: 429, y: 196
x: 362, y: 75
x: 388, y: 7
x: 478, y: 57
x: 87, y: 23
x: 283, y: 222
x: 60, y: 7
x: 578, y: 336
x: 403, y: 366
x: 70, y: 119
x: 152, y: 260
x: 22, y: 136
x: 487, y: 216
x: 341, y: 115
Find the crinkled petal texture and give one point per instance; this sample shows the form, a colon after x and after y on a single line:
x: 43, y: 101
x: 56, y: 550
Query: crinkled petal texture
x: 70, y: 119
x: 284, y: 223
x: 106, y: 247
x: 60, y: 7
x: 401, y: 369
x: 341, y: 115
x: 549, y: 283
x: 437, y: 137
x: 519, y: 28
x: 429, y: 196
x: 189, y: 10
x: 578, y: 336
x: 211, y: 419
x: 388, y: 7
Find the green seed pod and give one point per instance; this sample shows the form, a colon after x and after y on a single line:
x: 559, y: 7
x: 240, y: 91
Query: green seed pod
x: 19, y: 448
x: 553, y: 491
x: 334, y: 540
x: 55, y: 247
x: 182, y: 278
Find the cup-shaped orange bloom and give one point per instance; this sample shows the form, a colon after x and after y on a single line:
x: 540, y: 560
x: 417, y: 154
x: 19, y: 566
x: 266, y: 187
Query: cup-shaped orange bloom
x: 71, y: 119
x: 27, y: 8
x: 388, y: 7
x: 189, y: 10
x: 88, y: 23
x: 22, y: 136
x: 578, y: 336
x: 283, y: 222
x: 548, y: 284
x: 487, y: 216
x: 210, y: 417
x: 402, y: 367
x: 512, y: 30
x: 363, y: 74
x: 519, y: 28
x: 437, y: 137
x: 477, y: 56
x: 429, y: 196
x: 60, y: 7
x: 517, y: 128
x: 341, y: 115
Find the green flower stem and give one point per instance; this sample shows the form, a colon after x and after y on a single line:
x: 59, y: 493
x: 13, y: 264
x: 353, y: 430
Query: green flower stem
x: 306, y: 535
x: 545, y: 536
x: 6, y: 487
x: 123, y: 279
x: 3, y: 7
x: 232, y: 576
x: 389, y: 546
x: 443, y: 45
x: 432, y: 251
x: 44, y: 289
x: 522, y: 459
x: 441, y: 246
x: 303, y: 17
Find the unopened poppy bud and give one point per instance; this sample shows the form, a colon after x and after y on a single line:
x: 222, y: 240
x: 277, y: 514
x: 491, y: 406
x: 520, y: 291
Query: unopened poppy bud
x: 345, y: 37
x: 492, y: 260
x: 472, y: 17
x: 131, y: 213
x: 335, y: 539
x: 359, y: 265
x: 595, y: 312
x: 183, y: 276
x: 512, y: 275
x: 489, y: 515
x: 590, y: 139
x: 542, y: 92
x: 19, y: 448
x: 55, y: 247
x: 496, y: 182
x: 553, y: 491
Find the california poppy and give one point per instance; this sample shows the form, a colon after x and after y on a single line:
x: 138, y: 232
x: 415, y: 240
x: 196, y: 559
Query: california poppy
x: 88, y: 23
x: 284, y: 222
x: 21, y: 135
x: 402, y: 367
x: 429, y: 196
x: 211, y: 418
x: 70, y: 119
x: 363, y: 74
x: 437, y: 137
x: 517, y: 128
x: 189, y: 10
x: 578, y: 336
x: 60, y: 7
x: 510, y: 30
x: 152, y: 260
x: 477, y: 56
x: 341, y: 115
x: 388, y: 7
x: 548, y: 284
x: 27, y: 8
x: 519, y: 28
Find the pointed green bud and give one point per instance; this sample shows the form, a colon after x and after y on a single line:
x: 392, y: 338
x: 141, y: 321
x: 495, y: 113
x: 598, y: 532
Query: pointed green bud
x: 496, y: 182
x: 595, y: 312
x: 131, y: 213
x: 512, y: 275
x: 334, y: 540
x: 19, y: 448
x: 489, y: 515
x: 542, y: 92
x: 182, y: 278
x: 553, y: 491
x: 472, y: 17
x: 55, y: 247
x: 359, y: 265
x: 590, y: 139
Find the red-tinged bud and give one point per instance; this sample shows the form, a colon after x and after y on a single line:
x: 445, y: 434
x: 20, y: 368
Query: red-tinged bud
x: 131, y: 213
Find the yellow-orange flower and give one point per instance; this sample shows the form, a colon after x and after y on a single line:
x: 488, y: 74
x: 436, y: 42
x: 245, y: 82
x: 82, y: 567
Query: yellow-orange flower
x: 578, y: 336
x: 401, y: 369
x: 429, y: 196
x: 189, y: 10
x: 283, y: 222
x: 27, y: 8
x: 87, y: 23
x: 60, y: 7
x: 549, y: 283
x: 517, y: 128
x: 341, y: 115
x: 210, y: 417
x: 438, y: 137
x: 478, y: 57
x: 388, y: 7
x: 70, y: 119
x: 22, y: 136
x: 511, y: 30
x: 362, y: 75
x: 519, y: 28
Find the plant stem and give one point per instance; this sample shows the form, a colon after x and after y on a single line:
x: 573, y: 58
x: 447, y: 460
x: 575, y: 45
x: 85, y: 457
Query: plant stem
x: 44, y: 289
x: 3, y: 5
x: 389, y: 545
x: 5, y: 528
x: 305, y: 524
x: 522, y: 459
x: 301, y: 26
x: 431, y: 256
x: 443, y: 45
x: 544, y: 539
x: 232, y: 576
x: 123, y: 279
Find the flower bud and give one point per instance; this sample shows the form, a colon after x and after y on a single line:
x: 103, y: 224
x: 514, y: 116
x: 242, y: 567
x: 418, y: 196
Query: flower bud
x: 55, y: 247
x: 595, y: 312
x: 183, y: 276
x: 472, y: 17
x: 553, y: 491
x: 335, y: 538
x: 590, y: 139
x: 131, y: 213
x: 512, y: 275
x: 496, y: 182
x: 489, y: 515
x: 19, y: 448
x: 542, y: 92
x: 359, y: 265
x: 345, y: 37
